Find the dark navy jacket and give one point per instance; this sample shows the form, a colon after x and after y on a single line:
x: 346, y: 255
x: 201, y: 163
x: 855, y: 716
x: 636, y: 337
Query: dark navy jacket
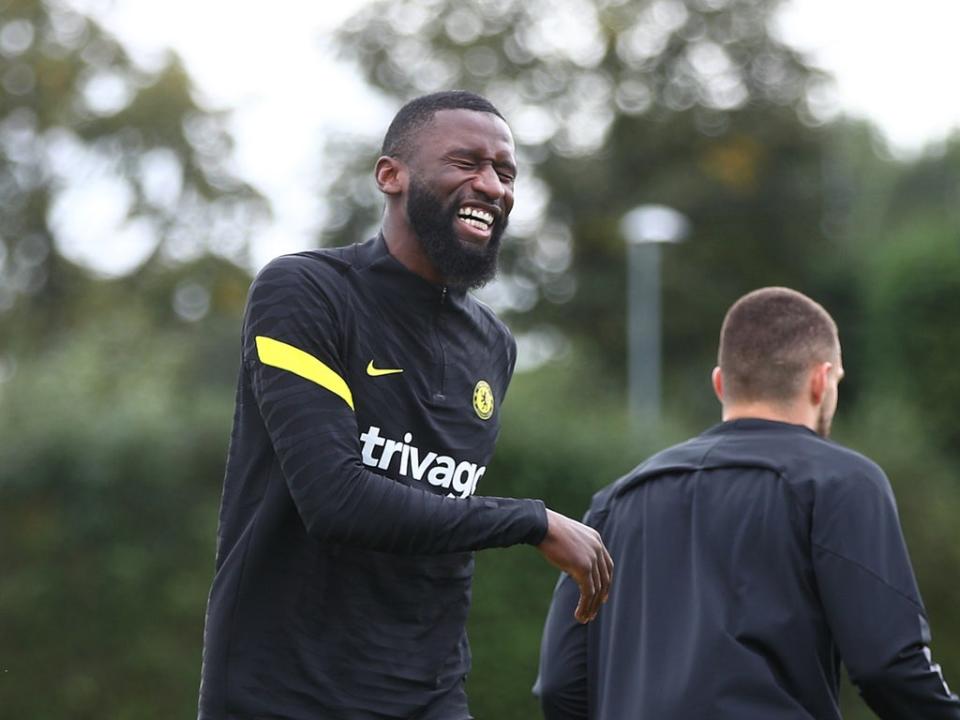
x: 749, y: 563
x: 367, y: 410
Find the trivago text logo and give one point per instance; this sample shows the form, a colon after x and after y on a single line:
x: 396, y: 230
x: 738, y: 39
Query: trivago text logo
x: 441, y: 471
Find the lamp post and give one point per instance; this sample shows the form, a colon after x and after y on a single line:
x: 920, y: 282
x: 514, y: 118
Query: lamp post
x: 645, y: 228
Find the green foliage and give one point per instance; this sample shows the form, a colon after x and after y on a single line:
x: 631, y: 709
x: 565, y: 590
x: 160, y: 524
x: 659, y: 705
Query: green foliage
x: 115, y: 437
x: 116, y: 396
x: 914, y: 335
x: 76, y: 109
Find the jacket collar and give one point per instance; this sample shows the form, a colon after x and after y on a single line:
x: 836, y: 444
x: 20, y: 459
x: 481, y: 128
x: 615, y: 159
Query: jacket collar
x: 757, y: 424
x: 392, y: 275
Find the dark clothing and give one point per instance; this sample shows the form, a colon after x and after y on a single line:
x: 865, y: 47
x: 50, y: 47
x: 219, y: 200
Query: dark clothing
x: 367, y: 410
x: 749, y: 562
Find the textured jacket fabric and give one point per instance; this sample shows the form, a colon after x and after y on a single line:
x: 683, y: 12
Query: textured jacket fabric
x: 367, y: 409
x: 749, y: 563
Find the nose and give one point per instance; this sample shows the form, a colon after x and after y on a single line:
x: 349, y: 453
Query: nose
x: 488, y: 182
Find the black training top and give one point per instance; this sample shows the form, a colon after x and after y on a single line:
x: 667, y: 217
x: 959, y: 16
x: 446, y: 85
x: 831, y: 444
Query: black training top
x: 367, y: 410
x: 749, y: 562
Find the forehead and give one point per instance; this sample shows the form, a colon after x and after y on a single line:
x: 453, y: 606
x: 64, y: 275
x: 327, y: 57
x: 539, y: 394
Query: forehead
x: 480, y: 132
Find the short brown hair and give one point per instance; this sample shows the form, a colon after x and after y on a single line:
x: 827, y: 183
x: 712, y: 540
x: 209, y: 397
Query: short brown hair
x: 770, y: 338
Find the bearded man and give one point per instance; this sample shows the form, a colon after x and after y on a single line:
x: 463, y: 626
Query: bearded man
x: 367, y: 410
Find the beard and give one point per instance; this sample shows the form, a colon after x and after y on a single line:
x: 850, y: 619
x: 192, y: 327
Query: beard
x: 825, y: 417
x: 824, y: 423
x: 461, y: 264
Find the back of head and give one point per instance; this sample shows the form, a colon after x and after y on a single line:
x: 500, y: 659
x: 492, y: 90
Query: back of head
x: 770, y: 339
x: 417, y: 113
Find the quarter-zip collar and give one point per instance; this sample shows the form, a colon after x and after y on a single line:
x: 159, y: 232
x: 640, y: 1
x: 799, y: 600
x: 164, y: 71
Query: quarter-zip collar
x: 393, y: 276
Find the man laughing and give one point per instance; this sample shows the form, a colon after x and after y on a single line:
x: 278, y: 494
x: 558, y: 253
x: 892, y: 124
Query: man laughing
x: 367, y: 410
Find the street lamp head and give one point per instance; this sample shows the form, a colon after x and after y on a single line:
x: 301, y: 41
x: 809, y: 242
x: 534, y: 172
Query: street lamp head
x: 654, y: 224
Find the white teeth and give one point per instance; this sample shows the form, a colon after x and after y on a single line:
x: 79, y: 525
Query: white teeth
x: 475, y: 223
x: 472, y: 212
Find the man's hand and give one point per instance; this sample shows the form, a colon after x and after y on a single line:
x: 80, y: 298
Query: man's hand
x: 578, y: 551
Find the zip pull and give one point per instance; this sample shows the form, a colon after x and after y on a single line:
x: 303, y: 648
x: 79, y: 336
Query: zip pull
x: 443, y: 294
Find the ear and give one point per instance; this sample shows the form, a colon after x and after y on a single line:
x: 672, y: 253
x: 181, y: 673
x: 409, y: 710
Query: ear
x: 390, y: 174
x: 819, y: 381
x: 717, y: 378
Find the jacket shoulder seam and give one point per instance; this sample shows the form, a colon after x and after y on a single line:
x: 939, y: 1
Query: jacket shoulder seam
x: 868, y: 571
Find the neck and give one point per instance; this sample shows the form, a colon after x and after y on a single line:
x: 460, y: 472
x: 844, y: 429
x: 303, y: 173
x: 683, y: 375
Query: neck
x: 793, y: 413
x: 405, y: 246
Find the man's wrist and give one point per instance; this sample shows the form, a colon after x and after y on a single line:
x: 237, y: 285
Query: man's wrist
x: 539, y: 534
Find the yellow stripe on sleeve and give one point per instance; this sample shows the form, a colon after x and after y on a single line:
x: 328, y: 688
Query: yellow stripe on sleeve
x: 286, y: 357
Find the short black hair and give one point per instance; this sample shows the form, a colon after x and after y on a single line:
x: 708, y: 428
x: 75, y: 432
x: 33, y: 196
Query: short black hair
x: 413, y: 116
x: 770, y: 338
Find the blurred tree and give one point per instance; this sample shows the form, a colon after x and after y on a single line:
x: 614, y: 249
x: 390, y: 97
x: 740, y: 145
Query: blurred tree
x: 115, y: 394
x: 114, y: 439
x: 896, y: 223
x: 914, y: 335
x: 99, y: 149
x: 696, y: 105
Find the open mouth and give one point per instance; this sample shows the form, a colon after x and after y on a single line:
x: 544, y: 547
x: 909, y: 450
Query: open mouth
x: 477, y: 218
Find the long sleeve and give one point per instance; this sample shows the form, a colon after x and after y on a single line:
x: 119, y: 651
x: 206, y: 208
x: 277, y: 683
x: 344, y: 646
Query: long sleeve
x: 872, y: 603
x: 293, y: 348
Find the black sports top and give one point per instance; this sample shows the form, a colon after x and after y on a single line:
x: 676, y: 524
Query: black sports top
x: 750, y: 561
x: 367, y: 410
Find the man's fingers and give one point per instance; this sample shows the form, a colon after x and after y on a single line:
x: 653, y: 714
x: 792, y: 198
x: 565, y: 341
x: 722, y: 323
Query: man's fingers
x: 607, y: 573
x: 581, y: 613
x: 596, y: 583
x: 587, y: 594
x: 598, y: 589
x: 578, y: 550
